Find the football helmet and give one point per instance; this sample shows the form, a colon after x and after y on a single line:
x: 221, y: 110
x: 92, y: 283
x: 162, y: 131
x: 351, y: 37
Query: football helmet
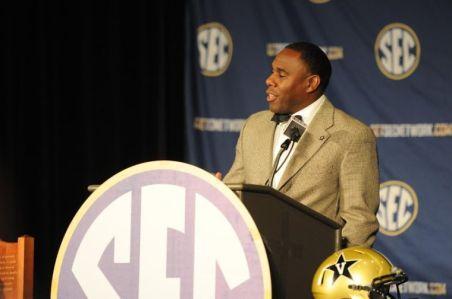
x: 356, y: 273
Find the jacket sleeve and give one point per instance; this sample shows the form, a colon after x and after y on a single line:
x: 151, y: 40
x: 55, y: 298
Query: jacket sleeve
x: 359, y: 190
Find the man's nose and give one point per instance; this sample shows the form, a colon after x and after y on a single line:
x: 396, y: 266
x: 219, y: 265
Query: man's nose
x: 270, y: 81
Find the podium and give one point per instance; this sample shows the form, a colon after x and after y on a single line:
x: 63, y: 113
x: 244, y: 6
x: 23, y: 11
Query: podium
x: 167, y: 229
x: 297, y: 238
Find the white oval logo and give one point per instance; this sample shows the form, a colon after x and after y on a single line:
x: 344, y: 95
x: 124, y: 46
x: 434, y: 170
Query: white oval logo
x: 397, y: 51
x: 398, y: 207
x: 215, y: 49
x: 162, y: 229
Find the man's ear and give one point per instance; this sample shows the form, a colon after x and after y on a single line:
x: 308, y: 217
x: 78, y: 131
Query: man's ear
x: 313, y: 83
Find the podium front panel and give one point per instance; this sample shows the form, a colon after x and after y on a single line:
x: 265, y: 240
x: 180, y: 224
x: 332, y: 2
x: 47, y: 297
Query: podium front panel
x: 297, y: 239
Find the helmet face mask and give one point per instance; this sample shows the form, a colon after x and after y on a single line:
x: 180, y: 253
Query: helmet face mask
x: 356, y: 273
x: 381, y: 285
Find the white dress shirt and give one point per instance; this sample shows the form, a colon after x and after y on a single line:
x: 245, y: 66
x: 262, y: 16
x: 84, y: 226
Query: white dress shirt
x: 307, y: 113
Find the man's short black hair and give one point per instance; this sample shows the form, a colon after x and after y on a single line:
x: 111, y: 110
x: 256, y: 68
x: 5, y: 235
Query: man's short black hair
x: 316, y: 60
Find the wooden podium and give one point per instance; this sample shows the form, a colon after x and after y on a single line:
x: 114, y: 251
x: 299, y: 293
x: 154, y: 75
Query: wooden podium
x: 297, y: 238
x: 16, y: 268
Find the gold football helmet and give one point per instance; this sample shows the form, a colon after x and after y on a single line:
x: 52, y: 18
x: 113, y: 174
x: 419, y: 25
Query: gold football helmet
x: 356, y: 273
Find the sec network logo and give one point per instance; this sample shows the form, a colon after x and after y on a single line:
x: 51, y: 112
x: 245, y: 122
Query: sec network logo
x: 398, y: 207
x: 319, y: 1
x: 397, y: 51
x: 215, y: 49
x: 162, y: 229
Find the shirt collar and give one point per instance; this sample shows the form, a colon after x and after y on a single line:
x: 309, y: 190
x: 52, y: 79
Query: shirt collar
x: 308, y: 112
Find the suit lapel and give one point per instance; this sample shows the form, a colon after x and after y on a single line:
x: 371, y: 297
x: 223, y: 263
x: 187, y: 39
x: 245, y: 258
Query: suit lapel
x: 266, y: 137
x: 313, y: 138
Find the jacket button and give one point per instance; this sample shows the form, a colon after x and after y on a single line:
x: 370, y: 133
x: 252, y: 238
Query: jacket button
x: 322, y: 137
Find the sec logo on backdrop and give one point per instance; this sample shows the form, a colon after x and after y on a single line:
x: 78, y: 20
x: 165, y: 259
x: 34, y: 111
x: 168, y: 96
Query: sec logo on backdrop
x: 319, y: 1
x: 215, y: 49
x: 162, y: 230
x: 398, y: 207
x: 397, y: 51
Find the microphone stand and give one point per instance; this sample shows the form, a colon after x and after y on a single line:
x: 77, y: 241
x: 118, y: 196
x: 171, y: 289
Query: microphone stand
x: 284, y: 147
x: 294, y: 135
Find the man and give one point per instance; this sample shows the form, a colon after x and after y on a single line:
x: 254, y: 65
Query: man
x: 333, y: 167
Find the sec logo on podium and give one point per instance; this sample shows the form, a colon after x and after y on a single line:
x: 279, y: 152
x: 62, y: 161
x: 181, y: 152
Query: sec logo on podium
x: 162, y: 229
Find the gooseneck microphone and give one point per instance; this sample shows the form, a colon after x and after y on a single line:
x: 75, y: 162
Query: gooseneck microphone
x: 294, y: 131
x: 275, y: 169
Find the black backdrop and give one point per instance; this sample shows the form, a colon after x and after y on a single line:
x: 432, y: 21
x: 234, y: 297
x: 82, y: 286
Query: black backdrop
x: 88, y: 89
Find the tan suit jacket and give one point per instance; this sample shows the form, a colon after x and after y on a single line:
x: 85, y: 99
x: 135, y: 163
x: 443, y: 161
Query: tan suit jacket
x: 334, y: 169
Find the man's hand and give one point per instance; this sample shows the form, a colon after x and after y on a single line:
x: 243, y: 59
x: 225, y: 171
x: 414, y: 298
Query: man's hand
x: 219, y: 175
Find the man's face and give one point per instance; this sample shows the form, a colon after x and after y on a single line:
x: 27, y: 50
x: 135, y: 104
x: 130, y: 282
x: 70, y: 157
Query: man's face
x: 288, y: 85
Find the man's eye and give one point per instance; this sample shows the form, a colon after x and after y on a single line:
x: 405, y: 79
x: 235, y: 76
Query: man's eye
x: 282, y: 75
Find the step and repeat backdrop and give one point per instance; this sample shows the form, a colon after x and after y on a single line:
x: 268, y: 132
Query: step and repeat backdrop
x: 391, y: 69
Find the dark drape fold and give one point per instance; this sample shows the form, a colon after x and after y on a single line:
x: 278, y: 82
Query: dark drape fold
x: 88, y: 89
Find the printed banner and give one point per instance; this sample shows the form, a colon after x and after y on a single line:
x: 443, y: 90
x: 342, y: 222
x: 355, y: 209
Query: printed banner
x: 391, y: 62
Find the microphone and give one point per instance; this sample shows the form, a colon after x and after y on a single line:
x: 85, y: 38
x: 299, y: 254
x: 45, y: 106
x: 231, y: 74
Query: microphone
x: 294, y: 131
x: 296, y: 128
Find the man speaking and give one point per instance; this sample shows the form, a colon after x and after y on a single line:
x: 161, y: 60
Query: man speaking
x: 332, y: 168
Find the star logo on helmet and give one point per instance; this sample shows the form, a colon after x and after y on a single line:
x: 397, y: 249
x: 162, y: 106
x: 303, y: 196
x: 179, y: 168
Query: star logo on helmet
x: 341, y: 268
